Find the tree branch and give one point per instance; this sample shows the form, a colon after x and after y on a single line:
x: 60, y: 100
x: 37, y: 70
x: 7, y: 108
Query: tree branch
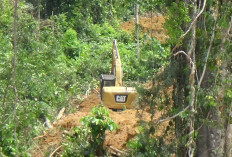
x: 191, y: 79
x: 137, y: 26
x: 174, y: 116
x: 5, y: 94
x: 191, y: 146
x: 207, y: 56
x: 191, y: 25
x: 208, y: 52
x: 117, y: 150
x: 51, y: 155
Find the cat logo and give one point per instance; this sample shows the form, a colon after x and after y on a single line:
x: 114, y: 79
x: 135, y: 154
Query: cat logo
x: 121, y: 98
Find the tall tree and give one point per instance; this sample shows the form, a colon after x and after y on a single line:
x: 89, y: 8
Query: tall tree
x: 216, y: 130
x: 137, y: 25
x: 213, y: 138
x: 14, y: 73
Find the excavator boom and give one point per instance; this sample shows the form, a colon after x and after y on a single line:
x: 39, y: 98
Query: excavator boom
x: 116, y: 68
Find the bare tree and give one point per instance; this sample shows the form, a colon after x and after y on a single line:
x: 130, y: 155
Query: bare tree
x: 226, y: 112
x: 137, y: 26
x: 38, y: 10
x: 14, y: 73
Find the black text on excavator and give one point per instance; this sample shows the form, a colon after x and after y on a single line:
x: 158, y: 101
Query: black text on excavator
x: 113, y: 94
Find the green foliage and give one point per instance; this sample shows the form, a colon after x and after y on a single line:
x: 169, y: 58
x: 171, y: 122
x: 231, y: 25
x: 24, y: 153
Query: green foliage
x: 178, y: 16
x: 43, y: 80
x: 146, y: 144
x: 6, y: 16
x: 88, y: 139
x: 153, y: 57
x: 71, y: 44
x: 99, y: 122
x: 77, y: 145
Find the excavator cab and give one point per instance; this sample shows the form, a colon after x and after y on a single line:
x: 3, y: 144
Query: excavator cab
x: 113, y: 94
x: 107, y: 80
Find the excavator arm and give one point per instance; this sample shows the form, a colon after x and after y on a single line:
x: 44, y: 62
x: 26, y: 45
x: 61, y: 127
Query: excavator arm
x: 116, y: 68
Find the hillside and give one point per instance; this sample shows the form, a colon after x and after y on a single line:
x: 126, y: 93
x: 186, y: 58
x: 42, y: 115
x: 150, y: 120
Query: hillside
x: 150, y: 23
x: 127, y: 120
x: 53, y: 54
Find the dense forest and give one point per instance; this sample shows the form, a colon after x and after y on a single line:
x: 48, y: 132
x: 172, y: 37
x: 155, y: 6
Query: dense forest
x: 53, y: 52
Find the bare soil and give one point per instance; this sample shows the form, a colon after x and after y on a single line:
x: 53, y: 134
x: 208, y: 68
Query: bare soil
x: 151, y: 23
x: 127, y: 121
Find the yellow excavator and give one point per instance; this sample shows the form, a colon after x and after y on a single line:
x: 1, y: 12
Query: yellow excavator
x: 113, y: 94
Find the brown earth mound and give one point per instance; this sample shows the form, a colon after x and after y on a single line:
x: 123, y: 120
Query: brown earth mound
x: 151, y: 24
x: 127, y: 121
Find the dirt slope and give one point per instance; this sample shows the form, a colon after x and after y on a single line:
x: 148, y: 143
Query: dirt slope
x: 150, y: 23
x: 126, y: 120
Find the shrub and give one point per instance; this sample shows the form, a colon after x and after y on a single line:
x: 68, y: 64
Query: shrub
x: 88, y: 139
